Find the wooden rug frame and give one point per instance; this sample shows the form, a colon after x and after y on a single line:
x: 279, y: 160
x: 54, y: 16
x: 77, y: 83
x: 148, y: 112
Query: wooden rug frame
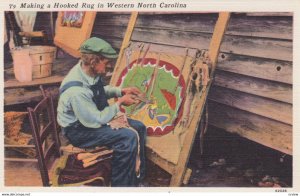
x: 179, y: 171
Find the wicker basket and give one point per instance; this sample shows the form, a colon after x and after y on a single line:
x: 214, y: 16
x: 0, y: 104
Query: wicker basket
x: 42, y: 58
x: 33, y: 62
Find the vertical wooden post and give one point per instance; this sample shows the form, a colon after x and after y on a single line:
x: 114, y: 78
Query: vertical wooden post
x: 125, y: 43
x: 217, y: 37
x: 214, y: 48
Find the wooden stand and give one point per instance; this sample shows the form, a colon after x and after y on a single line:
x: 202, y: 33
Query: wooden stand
x: 179, y: 171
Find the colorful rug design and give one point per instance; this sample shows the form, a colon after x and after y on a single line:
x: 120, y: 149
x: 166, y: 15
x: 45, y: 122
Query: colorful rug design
x: 163, y: 86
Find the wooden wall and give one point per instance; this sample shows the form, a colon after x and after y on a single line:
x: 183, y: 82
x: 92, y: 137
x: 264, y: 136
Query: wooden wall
x: 252, y: 91
x: 43, y: 23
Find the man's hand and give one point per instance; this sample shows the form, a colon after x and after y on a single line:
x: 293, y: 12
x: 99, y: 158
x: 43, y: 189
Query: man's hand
x: 127, y: 100
x: 131, y: 90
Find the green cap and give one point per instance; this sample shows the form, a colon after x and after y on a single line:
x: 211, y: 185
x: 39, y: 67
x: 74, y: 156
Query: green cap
x: 95, y: 45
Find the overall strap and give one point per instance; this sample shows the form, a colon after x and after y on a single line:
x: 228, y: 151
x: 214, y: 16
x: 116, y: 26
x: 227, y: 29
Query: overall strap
x: 99, y: 98
x: 69, y: 85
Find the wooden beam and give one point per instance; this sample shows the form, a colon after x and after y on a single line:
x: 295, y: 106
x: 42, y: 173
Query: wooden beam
x: 240, y: 45
x: 239, y: 25
x: 185, y: 152
x: 199, y: 103
x: 273, y: 134
x: 274, y: 70
x: 261, y: 26
x: 217, y: 38
x: 21, y: 95
x: 270, y: 14
x: 21, y: 160
x: 276, y: 110
x: 125, y: 44
x: 187, y: 175
x: 255, y: 86
x: 36, y: 82
x: 32, y: 34
x: 163, y: 163
x: 18, y: 146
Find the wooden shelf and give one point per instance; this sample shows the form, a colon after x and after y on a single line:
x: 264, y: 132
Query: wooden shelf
x: 16, y: 92
x: 59, y: 70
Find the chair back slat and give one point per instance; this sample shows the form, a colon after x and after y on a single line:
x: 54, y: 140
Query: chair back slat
x: 51, y: 150
x: 55, y: 132
x: 42, y: 105
x: 43, y: 124
x: 39, y: 149
x: 45, y: 131
x: 53, y: 114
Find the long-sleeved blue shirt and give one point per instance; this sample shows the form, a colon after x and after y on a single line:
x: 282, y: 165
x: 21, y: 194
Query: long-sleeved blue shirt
x: 76, y: 102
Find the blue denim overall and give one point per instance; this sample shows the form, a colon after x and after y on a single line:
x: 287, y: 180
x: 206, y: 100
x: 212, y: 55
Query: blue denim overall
x: 124, y: 141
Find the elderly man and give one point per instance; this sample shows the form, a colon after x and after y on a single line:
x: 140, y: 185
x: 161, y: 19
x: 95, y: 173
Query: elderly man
x: 87, y: 119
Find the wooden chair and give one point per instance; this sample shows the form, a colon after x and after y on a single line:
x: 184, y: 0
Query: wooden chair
x: 49, y: 153
x: 43, y: 124
x: 67, y: 147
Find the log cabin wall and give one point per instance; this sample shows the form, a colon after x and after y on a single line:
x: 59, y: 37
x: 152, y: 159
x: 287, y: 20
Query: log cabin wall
x: 252, y: 91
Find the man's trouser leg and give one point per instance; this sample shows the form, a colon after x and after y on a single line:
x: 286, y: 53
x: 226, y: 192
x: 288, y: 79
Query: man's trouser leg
x: 141, y: 129
x: 123, y: 141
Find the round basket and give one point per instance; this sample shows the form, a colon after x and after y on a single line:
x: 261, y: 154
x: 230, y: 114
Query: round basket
x: 42, y: 58
x: 33, y: 62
